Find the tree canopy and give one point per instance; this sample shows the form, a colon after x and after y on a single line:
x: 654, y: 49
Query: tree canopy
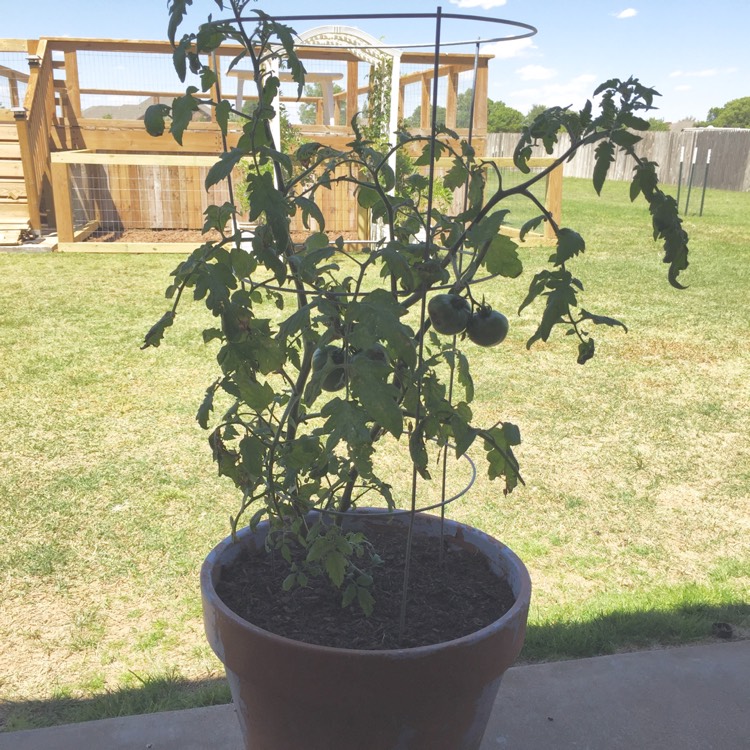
x: 734, y: 114
x: 500, y: 117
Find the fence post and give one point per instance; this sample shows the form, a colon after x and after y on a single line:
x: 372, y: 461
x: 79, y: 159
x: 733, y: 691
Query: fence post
x: 61, y: 197
x: 27, y: 160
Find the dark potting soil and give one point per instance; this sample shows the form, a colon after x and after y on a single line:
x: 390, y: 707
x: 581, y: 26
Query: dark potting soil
x: 446, y: 600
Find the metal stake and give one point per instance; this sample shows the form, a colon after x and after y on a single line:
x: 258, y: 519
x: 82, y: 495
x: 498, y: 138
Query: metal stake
x: 679, y: 175
x: 705, y: 181
x: 690, y: 179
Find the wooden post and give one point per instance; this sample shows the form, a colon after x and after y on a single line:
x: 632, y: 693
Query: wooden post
x: 480, y: 106
x: 425, y: 119
x: 72, y: 85
x: 352, y: 85
x: 27, y: 160
x: 214, y: 62
x: 13, y: 83
x: 452, y: 100
x: 61, y: 197
x: 554, y: 200
x: 363, y: 223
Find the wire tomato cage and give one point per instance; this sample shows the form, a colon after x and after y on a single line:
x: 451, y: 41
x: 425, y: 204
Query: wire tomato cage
x: 519, y: 31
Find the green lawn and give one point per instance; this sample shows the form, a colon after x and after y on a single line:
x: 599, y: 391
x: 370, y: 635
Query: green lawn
x: 634, y: 520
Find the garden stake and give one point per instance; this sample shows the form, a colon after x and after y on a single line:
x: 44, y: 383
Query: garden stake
x: 705, y: 181
x: 422, y: 316
x: 679, y: 175
x: 690, y: 179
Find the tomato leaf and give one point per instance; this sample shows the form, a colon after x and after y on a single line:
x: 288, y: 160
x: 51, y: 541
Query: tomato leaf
x: 604, y: 155
x: 223, y: 168
x: 502, y: 259
x: 156, y: 332
x: 569, y: 244
x: 602, y: 320
x: 530, y: 226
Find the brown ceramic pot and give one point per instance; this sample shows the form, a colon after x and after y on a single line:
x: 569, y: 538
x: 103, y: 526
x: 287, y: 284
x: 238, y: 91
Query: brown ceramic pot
x: 291, y: 695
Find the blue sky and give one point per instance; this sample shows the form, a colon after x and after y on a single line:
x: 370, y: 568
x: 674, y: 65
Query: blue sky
x: 694, y: 53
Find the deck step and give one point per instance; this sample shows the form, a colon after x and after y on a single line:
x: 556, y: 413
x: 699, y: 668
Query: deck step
x: 11, y: 236
x: 13, y: 211
x: 10, y: 150
x: 12, y: 188
x: 8, y: 132
x: 11, y: 168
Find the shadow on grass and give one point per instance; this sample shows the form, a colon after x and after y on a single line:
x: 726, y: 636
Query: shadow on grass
x: 618, y: 631
x: 151, y: 695
x: 608, y: 633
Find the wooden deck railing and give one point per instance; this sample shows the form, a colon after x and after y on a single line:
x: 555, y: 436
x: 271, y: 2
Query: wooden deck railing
x: 35, y: 125
x: 60, y: 80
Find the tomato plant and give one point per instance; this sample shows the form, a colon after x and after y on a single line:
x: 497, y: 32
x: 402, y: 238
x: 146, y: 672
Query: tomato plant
x: 300, y: 419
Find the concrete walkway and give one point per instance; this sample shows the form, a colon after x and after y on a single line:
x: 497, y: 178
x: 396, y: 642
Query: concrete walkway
x: 688, y: 698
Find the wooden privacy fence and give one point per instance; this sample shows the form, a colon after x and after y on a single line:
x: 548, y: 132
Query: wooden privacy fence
x: 730, y: 156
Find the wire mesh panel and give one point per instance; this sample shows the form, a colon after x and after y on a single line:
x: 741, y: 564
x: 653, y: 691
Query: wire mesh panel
x: 14, y: 77
x: 123, y: 197
x: 120, y: 85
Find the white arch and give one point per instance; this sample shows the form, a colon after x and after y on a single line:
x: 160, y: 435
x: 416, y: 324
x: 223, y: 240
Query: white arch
x: 364, y: 46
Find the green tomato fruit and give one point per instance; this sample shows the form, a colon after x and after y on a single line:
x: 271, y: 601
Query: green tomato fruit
x: 333, y: 357
x: 487, y: 327
x: 376, y: 353
x: 449, y: 313
x: 322, y: 354
x: 335, y: 380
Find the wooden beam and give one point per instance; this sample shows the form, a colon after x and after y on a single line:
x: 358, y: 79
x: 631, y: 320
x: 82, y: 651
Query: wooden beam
x: 480, y: 100
x: 12, y: 74
x: 86, y: 231
x: 535, y: 162
x: 352, y: 89
x: 129, y: 92
x: 424, y: 110
x: 71, y: 81
x: 153, y: 160
x: 184, y: 248
x: 451, y: 103
x: 131, y: 136
x: 420, y: 75
x: 464, y: 61
x: 61, y: 198
x: 14, y: 45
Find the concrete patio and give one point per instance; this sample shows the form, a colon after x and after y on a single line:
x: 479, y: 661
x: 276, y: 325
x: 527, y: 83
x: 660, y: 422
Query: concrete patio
x: 687, y: 698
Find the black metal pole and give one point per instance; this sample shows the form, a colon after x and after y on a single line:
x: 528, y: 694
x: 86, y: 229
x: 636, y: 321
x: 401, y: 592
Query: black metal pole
x: 679, y: 175
x: 690, y: 179
x: 705, y: 181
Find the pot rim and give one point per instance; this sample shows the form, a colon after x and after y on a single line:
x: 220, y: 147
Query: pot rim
x: 521, y: 603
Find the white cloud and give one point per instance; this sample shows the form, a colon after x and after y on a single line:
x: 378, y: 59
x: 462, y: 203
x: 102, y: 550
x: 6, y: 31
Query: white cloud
x: 573, y: 92
x: 627, y: 13
x: 507, y: 50
x: 683, y: 87
x: 536, y: 73
x: 485, y: 4
x: 705, y: 73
